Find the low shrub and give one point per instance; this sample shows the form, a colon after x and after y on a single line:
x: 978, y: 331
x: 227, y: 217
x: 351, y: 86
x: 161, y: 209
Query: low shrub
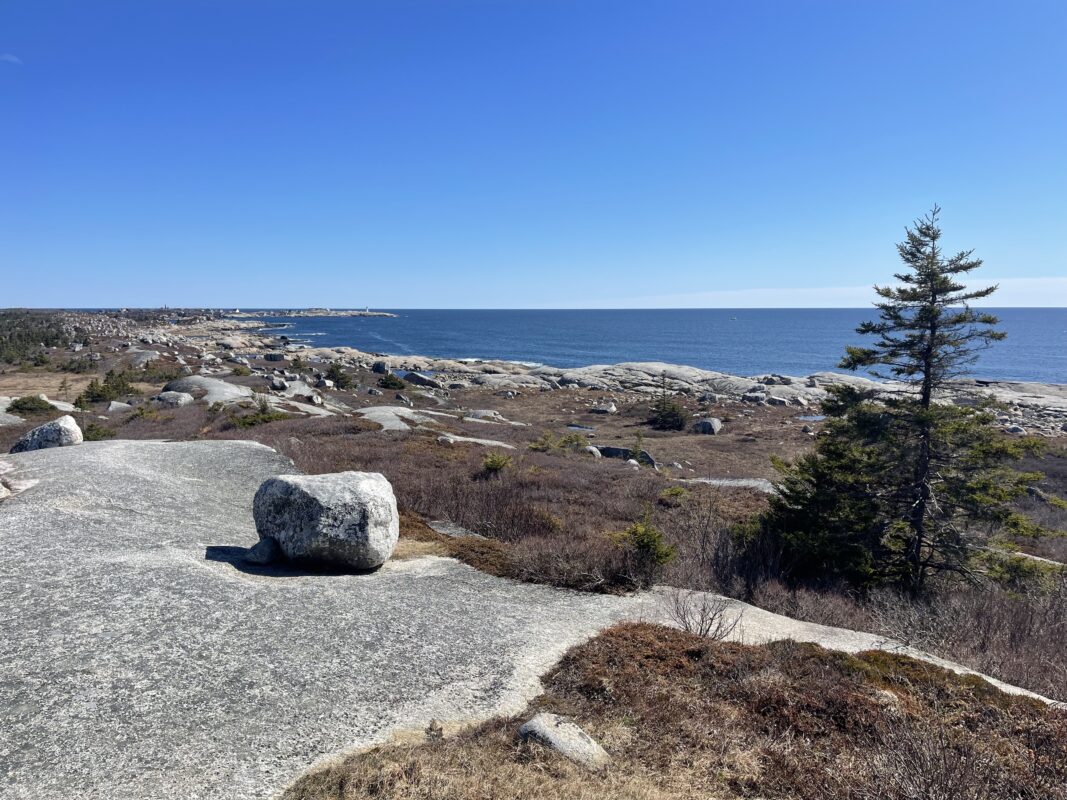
x: 668, y: 416
x: 31, y: 404
x: 261, y: 416
x: 647, y: 552
x: 549, y: 442
x: 495, y: 463
x: 241, y: 371
x: 156, y: 372
x: 144, y: 412
x: 672, y: 496
x: 95, y: 432
x: 340, y: 378
x: 78, y: 366
x: 391, y: 381
x: 112, y: 387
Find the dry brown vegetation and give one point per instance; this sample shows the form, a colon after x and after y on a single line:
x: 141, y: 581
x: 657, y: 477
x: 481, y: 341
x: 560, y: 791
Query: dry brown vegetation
x: 683, y: 717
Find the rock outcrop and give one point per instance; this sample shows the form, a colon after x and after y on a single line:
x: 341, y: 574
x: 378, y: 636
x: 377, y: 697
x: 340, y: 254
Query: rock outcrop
x: 184, y: 656
x: 347, y: 519
x: 210, y: 390
x: 62, y: 432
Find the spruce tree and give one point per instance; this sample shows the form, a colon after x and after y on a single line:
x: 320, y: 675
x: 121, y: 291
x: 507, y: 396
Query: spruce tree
x: 902, y: 483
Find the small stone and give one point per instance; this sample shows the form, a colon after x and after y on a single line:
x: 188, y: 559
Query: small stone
x: 566, y: 738
x: 604, y: 408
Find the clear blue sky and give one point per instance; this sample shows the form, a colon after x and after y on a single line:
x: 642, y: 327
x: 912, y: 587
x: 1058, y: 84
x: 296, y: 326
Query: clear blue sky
x: 523, y: 153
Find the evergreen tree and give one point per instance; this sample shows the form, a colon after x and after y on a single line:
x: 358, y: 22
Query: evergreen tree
x: 667, y: 415
x: 900, y: 485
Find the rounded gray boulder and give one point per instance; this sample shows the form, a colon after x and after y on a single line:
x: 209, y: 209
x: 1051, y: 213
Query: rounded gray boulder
x: 708, y: 427
x: 61, y: 432
x: 346, y: 519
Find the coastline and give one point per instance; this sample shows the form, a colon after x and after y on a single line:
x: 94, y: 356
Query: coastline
x: 1029, y: 407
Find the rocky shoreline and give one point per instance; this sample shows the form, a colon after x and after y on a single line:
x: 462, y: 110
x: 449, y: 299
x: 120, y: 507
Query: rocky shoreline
x: 1037, y: 408
x: 220, y: 342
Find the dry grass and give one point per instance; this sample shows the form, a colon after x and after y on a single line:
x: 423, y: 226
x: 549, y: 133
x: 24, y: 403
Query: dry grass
x: 685, y: 718
x: 1020, y: 638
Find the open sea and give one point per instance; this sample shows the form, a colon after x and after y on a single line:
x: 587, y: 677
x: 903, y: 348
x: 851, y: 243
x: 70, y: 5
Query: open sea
x: 737, y: 341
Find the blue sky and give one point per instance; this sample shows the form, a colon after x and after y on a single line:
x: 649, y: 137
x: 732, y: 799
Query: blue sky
x: 523, y: 153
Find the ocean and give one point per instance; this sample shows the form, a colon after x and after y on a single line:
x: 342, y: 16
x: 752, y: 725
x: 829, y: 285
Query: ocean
x: 737, y: 341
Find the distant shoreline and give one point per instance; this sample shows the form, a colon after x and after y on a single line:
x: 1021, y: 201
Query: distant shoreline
x: 307, y: 312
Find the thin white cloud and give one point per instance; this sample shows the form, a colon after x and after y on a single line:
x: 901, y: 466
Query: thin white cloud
x: 10, y: 58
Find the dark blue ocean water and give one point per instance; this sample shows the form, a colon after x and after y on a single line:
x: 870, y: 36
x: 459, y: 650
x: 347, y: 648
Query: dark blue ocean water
x: 739, y: 341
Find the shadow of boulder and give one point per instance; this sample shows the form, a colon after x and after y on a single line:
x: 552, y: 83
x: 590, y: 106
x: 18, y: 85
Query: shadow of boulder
x: 237, y: 557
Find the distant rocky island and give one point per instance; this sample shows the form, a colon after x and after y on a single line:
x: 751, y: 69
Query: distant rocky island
x: 308, y: 312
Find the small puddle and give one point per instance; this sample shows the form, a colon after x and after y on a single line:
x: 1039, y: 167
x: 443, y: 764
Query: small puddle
x: 585, y: 428
x: 812, y: 417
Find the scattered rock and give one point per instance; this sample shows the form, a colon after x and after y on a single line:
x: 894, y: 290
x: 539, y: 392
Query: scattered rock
x: 451, y: 438
x: 343, y: 518
x: 375, y: 392
x: 173, y: 399
x: 62, y: 432
x: 593, y: 451
x: 604, y: 408
x: 380, y: 368
x: 626, y: 454
x: 115, y: 406
x: 753, y: 397
x: 279, y: 384
x: 274, y: 356
x: 776, y: 401
x: 709, y: 426
x: 566, y: 738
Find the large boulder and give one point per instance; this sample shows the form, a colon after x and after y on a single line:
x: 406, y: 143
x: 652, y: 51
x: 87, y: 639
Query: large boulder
x: 566, y: 738
x: 347, y: 519
x: 417, y: 379
x: 61, y: 432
